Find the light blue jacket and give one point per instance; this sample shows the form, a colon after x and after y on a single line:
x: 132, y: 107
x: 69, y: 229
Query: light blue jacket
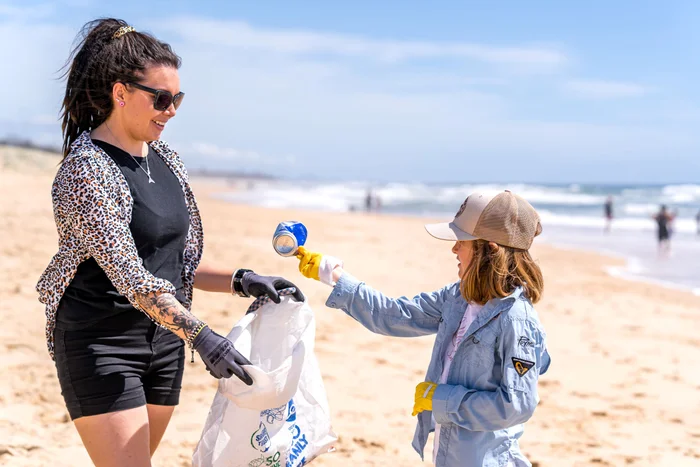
x: 491, y: 388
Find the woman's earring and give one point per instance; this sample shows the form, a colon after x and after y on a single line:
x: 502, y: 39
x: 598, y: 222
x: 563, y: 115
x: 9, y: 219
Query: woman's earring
x: 121, y: 103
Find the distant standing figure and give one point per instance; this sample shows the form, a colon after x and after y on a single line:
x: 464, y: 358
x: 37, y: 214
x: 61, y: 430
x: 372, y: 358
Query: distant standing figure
x: 372, y: 201
x: 608, y: 213
x: 369, y: 200
x: 663, y: 220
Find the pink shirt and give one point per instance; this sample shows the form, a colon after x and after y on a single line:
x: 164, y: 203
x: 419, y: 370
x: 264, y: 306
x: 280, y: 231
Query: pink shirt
x: 469, y: 316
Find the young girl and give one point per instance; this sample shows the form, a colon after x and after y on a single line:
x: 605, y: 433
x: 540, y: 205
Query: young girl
x: 481, y: 385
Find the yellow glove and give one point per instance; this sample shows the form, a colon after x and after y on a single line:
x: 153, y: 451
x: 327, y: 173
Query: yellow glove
x: 424, y: 397
x: 309, y: 263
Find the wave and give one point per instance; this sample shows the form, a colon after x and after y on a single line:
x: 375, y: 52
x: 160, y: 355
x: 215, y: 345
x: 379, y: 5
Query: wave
x: 572, y: 205
x: 631, y: 224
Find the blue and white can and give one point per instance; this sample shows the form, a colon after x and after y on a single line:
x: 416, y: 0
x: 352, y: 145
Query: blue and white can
x: 288, y: 237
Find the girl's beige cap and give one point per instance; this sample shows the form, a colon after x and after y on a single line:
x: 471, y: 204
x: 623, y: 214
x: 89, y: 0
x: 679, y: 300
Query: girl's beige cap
x: 504, y: 218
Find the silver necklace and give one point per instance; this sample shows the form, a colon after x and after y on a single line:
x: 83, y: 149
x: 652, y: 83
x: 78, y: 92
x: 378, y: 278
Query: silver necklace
x: 147, y: 170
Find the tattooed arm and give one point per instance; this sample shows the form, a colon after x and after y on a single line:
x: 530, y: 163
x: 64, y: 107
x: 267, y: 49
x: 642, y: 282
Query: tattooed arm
x: 220, y: 357
x: 166, y: 310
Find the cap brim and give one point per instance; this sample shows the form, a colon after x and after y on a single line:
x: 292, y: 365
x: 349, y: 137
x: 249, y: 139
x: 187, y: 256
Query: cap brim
x: 448, y: 231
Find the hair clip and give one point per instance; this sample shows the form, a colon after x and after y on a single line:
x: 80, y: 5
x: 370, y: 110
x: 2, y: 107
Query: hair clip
x: 123, y: 30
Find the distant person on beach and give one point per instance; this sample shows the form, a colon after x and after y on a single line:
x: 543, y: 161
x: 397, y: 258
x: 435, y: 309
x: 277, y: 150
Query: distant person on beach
x: 372, y: 201
x: 490, y: 349
x: 118, y: 293
x: 368, y: 201
x: 663, y: 219
x: 608, y: 207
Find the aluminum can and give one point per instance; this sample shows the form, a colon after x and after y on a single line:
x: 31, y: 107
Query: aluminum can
x: 288, y: 237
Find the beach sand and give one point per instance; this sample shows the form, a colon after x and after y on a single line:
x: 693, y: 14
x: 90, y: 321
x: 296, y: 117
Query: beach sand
x: 623, y: 388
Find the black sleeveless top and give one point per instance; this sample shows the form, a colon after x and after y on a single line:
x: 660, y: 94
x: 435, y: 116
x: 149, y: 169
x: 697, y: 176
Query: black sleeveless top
x: 159, y: 225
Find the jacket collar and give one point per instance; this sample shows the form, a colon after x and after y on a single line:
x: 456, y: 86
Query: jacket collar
x: 493, y: 308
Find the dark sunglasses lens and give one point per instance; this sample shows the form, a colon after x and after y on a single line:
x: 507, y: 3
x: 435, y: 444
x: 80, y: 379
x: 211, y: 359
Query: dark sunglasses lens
x: 162, y: 101
x: 177, y: 100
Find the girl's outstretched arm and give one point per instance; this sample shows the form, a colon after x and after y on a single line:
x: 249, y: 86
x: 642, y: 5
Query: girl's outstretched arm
x: 400, y: 317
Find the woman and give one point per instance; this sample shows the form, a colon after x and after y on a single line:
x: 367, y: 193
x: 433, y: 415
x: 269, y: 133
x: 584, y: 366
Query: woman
x: 118, y: 292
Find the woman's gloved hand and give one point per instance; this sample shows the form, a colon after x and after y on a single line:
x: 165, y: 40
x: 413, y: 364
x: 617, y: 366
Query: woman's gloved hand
x: 219, y: 356
x: 258, y: 286
x: 424, y: 397
x: 317, y: 266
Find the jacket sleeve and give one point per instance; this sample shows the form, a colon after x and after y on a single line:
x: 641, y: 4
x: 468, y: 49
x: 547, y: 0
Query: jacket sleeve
x: 98, y: 224
x: 524, y: 357
x: 401, y: 317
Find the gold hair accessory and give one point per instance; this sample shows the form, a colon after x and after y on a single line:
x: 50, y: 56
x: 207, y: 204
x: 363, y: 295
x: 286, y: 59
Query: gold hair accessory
x: 123, y: 30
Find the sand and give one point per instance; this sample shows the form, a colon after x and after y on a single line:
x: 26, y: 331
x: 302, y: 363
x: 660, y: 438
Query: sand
x: 623, y: 388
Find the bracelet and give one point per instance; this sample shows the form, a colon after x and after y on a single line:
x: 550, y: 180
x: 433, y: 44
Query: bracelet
x: 236, y: 285
x: 232, y: 277
x: 195, y: 333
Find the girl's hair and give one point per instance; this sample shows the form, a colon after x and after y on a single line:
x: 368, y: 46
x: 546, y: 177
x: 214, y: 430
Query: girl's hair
x: 100, y: 59
x: 496, y: 272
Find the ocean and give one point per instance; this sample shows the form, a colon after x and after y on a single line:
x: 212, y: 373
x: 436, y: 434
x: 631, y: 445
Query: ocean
x: 572, y: 215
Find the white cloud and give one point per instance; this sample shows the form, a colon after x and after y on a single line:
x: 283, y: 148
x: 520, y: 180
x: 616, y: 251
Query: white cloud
x: 240, y: 35
x: 598, y: 89
x: 214, y: 151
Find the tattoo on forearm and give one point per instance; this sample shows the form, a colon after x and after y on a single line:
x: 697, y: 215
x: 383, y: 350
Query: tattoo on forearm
x: 166, y: 310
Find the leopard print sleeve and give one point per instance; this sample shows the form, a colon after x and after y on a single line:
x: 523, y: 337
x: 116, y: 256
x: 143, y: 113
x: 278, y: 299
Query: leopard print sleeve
x: 93, y: 216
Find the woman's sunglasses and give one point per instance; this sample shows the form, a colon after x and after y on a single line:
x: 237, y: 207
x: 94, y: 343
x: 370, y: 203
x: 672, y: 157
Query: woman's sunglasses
x: 162, y: 100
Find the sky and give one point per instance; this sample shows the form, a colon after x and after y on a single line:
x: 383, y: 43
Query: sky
x: 440, y: 91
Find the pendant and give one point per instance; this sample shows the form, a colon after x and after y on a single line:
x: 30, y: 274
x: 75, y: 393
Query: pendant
x: 150, y: 180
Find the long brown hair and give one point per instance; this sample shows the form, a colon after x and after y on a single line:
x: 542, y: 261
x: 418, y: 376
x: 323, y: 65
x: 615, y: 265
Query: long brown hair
x: 497, y: 271
x: 97, y: 62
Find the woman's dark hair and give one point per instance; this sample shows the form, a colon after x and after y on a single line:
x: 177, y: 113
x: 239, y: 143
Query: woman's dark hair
x: 99, y: 60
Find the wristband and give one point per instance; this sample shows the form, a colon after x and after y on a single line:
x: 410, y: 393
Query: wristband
x: 193, y: 336
x: 195, y: 333
x: 236, y: 286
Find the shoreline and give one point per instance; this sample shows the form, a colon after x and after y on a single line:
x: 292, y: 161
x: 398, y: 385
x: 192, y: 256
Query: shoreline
x: 625, y: 272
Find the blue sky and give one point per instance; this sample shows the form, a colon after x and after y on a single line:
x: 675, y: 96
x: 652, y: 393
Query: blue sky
x: 399, y: 91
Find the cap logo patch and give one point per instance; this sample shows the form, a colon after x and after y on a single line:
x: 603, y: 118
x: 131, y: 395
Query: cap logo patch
x: 462, y: 208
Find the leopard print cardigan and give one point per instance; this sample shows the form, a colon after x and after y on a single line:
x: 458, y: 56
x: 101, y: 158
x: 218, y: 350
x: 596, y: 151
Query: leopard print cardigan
x: 92, y: 207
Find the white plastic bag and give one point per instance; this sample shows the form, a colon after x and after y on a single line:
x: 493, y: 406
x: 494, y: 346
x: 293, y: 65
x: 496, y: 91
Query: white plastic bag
x: 283, y: 419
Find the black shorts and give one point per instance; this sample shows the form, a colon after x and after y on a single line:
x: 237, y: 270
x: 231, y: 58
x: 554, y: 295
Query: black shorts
x: 122, y: 362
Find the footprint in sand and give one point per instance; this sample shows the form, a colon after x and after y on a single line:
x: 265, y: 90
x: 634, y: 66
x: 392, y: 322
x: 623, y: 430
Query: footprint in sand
x: 368, y: 444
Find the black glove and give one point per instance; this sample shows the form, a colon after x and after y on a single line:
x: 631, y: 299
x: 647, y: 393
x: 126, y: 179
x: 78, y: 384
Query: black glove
x: 258, y: 286
x: 220, y: 357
